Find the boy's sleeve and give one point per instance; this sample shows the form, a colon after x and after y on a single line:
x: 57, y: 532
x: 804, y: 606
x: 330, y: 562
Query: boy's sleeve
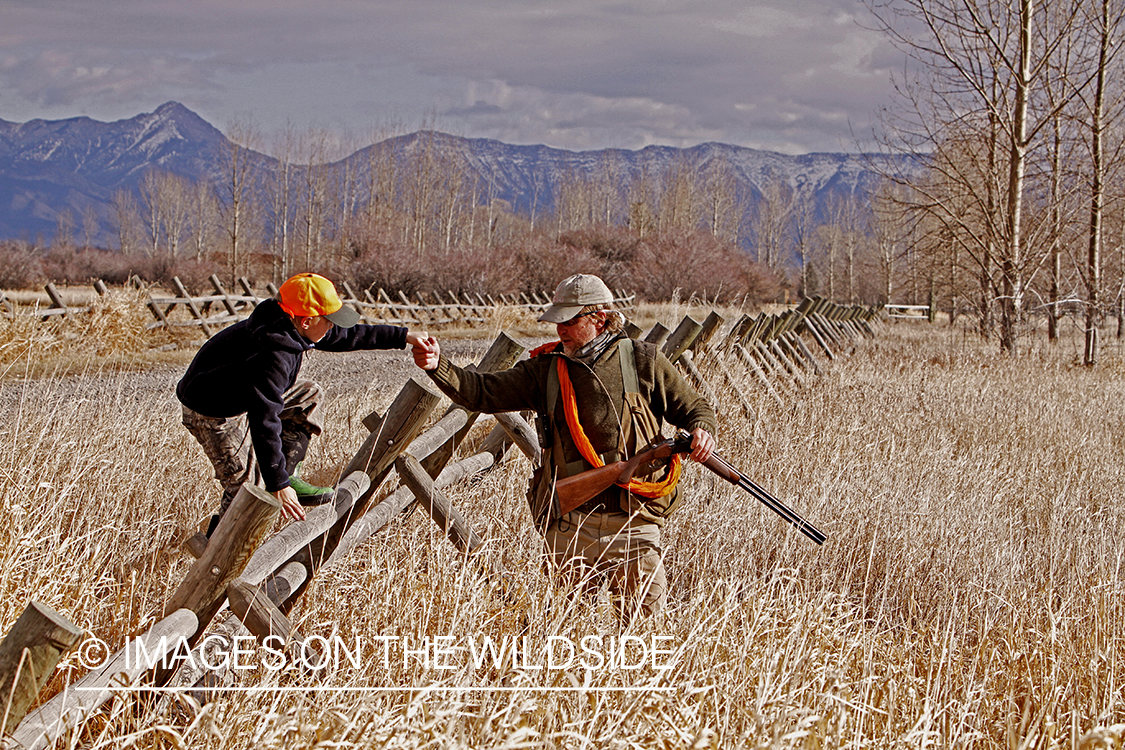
x: 363, y: 336
x: 263, y: 415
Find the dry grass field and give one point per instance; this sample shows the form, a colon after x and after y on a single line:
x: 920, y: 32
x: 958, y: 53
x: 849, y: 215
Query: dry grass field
x: 970, y: 594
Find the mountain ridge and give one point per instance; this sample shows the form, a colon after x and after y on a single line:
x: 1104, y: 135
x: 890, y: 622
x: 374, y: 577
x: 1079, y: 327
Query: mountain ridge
x: 77, y: 164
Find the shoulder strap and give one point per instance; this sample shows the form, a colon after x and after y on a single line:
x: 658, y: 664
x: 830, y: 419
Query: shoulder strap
x: 553, y: 389
x: 628, y: 361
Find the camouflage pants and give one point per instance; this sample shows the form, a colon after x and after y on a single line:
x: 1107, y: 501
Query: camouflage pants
x: 623, y: 549
x: 226, y: 440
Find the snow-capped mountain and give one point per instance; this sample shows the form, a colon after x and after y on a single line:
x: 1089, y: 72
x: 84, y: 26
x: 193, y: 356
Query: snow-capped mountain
x: 48, y: 167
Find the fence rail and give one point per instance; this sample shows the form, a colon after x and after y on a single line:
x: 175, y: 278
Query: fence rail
x: 910, y: 312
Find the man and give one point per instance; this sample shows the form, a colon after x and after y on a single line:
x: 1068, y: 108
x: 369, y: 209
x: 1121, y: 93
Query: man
x: 616, y: 391
x: 247, y: 375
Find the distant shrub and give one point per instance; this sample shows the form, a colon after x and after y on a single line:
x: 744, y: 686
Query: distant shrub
x: 194, y: 275
x: 699, y: 263
x: 21, y: 266
x: 70, y: 265
x: 387, y: 265
x: 82, y: 266
x: 476, y: 270
x: 657, y: 267
x: 609, y: 245
x: 543, y: 263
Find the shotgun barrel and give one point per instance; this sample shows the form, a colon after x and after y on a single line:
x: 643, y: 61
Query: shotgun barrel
x: 722, y: 468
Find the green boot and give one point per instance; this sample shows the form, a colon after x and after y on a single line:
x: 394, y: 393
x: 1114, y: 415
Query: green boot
x: 309, y: 494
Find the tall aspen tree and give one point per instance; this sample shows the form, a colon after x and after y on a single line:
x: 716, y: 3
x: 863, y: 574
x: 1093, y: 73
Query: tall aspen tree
x: 236, y: 191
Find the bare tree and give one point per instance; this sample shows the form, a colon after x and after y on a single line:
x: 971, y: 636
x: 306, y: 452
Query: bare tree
x: 237, y: 193
x: 771, y: 221
x: 90, y: 225
x: 382, y: 182
x: 981, y: 62
x: 153, y: 207
x: 64, y: 228
x: 890, y: 230
x: 177, y: 195
x: 166, y: 200
x: 723, y: 214
x: 1105, y: 20
x: 573, y: 204
x: 126, y: 219
x: 313, y: 156
x: 608, y: 187
x: 802, y: 229
x: 421, y: 184
x: 345, y: 190
x: 680, y: 207
x: 205, y: 216
x: 536, y: 191
x: 642, y: 200
x: 838, y: 242
x: 279, y: 196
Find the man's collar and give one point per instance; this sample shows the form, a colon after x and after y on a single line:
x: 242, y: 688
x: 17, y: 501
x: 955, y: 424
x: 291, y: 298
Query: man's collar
x: 593, y: 350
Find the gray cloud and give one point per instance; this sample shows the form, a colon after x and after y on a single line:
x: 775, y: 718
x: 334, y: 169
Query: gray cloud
x: 793, y: 75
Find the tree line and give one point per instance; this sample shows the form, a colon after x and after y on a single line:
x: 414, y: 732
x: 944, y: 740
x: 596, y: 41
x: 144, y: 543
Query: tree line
x: 420, y: 213
x: 1016, y: 108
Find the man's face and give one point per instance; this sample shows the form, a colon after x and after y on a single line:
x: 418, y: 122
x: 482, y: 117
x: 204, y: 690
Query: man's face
x: 580, y: 330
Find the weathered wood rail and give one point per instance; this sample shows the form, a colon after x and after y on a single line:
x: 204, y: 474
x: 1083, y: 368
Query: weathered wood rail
x: 910, y: 312
x: 58, y: 305
x: 427, y: 310
x: 760, y: 359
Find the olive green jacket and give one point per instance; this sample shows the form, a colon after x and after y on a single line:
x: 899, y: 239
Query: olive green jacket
x: 599, y: 394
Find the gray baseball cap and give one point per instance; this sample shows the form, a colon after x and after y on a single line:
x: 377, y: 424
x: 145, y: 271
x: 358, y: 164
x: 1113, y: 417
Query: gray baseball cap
x: 574, y: 293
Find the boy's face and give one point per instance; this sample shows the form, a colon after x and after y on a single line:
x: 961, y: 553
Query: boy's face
x: 314, y: 328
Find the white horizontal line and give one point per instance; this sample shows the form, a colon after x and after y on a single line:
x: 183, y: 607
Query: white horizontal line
x: 387, y: 689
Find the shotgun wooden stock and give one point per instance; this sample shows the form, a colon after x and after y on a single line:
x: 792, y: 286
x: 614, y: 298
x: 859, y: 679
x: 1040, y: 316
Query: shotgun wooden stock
x: 573, y: 491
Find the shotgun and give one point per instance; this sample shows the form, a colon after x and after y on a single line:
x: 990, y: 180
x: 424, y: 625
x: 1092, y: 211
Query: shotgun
x: 575, y: 490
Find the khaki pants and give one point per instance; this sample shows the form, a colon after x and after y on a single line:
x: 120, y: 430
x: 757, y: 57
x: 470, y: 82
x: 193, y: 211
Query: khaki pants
x: 226, y: 441
x: 624, y: 549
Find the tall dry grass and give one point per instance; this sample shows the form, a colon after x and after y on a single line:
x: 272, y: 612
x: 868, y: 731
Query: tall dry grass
x: 970, y: 593
x: 112, y: 332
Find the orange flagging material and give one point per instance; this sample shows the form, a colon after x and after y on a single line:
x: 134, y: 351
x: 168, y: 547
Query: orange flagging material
x: 636, y: 486
x: 543, y: 348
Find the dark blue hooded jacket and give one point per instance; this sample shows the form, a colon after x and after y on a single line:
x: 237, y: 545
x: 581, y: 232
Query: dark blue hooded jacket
x: 247, y: 368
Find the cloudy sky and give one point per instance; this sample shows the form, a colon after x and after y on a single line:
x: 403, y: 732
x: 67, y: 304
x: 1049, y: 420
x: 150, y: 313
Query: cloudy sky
x: 786, y: 75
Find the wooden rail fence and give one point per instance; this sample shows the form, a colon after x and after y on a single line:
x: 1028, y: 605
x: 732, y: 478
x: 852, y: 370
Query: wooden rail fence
x: 209, y: 313
x: 432, y: 309
x: 57, y: 307
x: 258, y: 579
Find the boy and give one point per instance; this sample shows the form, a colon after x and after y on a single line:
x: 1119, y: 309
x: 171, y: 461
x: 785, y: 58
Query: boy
x: 251, y: 368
